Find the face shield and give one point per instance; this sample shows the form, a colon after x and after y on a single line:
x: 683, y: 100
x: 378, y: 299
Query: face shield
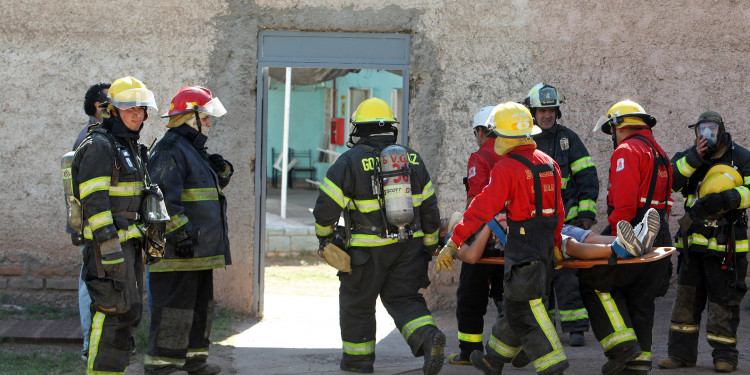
x: 213, y: 108
x: 138, y: 97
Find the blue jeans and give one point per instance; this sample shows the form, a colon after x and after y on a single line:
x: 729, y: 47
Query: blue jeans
x: 84, y: 309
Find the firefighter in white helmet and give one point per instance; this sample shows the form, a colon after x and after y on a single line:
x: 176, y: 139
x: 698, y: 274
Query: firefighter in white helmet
x: 527, y: 183
x: 389, y: 246
x: 714, y: 178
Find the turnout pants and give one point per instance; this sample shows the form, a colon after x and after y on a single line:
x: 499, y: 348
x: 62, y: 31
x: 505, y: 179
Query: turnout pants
x: 394, y: 272
x: 181, y: 316
x: 476, y: 283
x: 111, y: 332
x: 565, y: 296
x: 702, y: 283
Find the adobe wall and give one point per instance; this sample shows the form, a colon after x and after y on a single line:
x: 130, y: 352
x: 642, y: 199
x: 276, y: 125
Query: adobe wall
x: 676, y: 58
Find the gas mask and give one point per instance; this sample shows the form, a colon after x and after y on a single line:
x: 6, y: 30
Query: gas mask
x: 711, y: 132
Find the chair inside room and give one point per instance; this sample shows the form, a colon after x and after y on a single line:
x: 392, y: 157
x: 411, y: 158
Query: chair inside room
x: 301, y: 162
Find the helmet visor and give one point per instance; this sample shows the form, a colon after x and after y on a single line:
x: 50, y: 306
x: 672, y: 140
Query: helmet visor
x: 709, y: 131
x: 213, y: 108
x: 134, y: 98
x: 548, y: 97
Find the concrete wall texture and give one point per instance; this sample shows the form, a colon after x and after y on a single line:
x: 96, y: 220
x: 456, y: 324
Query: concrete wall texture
x: 676, y: 58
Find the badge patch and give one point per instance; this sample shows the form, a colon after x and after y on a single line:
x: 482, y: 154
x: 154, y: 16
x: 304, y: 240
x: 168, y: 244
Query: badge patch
x: 472, y: 172
x: 564, y: 144
x: 620, y: 164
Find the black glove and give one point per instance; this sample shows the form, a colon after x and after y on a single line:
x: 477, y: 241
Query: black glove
x: 218, y: 164
x: 709, y: 205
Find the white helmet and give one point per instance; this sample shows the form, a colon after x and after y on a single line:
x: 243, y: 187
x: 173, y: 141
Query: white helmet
x: 482, y: 117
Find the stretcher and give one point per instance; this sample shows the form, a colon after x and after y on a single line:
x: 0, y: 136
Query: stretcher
x: 655, y: 254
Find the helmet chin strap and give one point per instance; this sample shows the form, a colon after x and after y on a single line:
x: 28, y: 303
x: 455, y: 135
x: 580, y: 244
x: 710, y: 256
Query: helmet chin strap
x: 198, y: 122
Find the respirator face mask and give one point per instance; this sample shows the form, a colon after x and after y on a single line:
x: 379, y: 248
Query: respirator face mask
x: 709, y: 131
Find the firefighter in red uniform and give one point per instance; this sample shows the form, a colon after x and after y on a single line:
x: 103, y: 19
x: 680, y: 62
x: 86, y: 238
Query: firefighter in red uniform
x: 478, y: 281
x: 620, y: 299
x: 528, y: 181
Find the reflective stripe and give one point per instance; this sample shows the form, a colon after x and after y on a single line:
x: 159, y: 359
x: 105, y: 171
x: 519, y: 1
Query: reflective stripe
x: 133, y: 231
x: 557, y: 354
x: 745, y: 194
x: 370, y: 240
x: 690, y: 200
x: 746, y: 180
x: 684, y: 328
x: 334, y: 192
x: 197, y: 353
x: 587, y: 205
x: 101, y: 219
x: 92, y: 185
x: 431, y: 238
x: 153, y: 361
x: 200, y: 194
x: 721, y: 339
x: 470, y: 337
x: 581, y: 164
x: 116, y: 261
x: 188, y: 264
x: 323, y: 231
x: 415, y: 324
x: 416, y: 200
x: 644, y: 357
x: 684, y: 168
x: 621, y: 332
x: 501, y: 348
x: 544, y: 211
x: 571, y: 315
x: 656, y: 203
x: 564, y: 182
x: 572, y: 213
x: 358, y: 349
x: 366, y: 206
x: 696, y: 239
x: 127, y: 189
x: 427, y: 191
x: 97, y: 325
x: 176, y: 221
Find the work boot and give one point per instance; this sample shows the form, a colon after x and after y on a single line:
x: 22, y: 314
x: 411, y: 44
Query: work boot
x: 434, y: 355
x: 456, y: 359
x: 480, y: 362
x: 363, y: 369
x: 521, y: 359
x: 722, y: 365
x: 647, y: 229
x: 618, y: 361
x: 673, y: 362
x: 200, y: 367
x: 577, y: 339
x: 164, y: 371
x: 628, y: 371
x: 626, y: 245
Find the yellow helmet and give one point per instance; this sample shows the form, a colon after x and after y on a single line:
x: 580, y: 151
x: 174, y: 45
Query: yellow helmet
x: 129, y: 92
x: 375, y: 111
x: 623, y: 114
x: 512, y: 120
x: 719, y: 178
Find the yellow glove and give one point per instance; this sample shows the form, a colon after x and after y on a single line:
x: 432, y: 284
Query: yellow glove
x: 445, y: 258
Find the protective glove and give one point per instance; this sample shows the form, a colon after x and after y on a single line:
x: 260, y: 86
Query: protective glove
x: 112, y: 258
x: 710, y: 204
x: 587, y: 223
x: 184, y: 248
x: 445, y: 257
x: 218, y: 164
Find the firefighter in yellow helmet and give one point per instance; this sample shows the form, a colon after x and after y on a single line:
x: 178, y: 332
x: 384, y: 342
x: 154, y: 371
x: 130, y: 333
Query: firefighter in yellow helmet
x: 713, y: 177
x: 391, y: 227
x: 109, y: 174
x: 527, y: 183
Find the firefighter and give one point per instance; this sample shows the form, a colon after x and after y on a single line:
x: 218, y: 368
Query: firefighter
x: 109, y: 175
x: 713, y: 177
x: 381, y: 264
x: 620, y: 299
x: 534, y: 224
x: 181, y: 284
x: 477, y: 282
x: 580, y: 190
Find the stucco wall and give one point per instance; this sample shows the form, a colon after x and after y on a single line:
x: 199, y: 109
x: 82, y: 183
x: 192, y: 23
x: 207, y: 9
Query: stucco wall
x: 676, y: 58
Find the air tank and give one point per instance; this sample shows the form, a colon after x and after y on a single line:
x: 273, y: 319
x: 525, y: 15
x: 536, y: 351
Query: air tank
x: 399, y: 209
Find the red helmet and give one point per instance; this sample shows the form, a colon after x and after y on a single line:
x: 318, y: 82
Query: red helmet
x: 195, y: 99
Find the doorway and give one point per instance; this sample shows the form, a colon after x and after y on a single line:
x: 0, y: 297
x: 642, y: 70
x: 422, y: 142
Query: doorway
x: 330, y: 74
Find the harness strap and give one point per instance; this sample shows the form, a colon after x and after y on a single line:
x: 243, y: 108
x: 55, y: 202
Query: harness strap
x: 659, y: 159
x: 536, y: 170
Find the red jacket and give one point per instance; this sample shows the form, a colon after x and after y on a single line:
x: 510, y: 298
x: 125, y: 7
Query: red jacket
x: 630, y: 171
x: 511, y: 183
x: 480, y: 166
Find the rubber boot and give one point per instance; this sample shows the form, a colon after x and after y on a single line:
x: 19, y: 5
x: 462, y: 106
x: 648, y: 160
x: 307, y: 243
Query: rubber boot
x: 434, y: 353
x: 481, y: 363
x: 618, y: 361
x: 672, y: 363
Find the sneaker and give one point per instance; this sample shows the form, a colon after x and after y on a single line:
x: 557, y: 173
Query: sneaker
x: 577, y: 339
x: 521, y: 359
x: 362, y: 369
x: 673, y: 362
x: 722, y: 365
x: 456, y: 359
x: 616, y: 364
x: 434, y: 353
x: 626, y: 245
x: 647, y: 229
x: 481, y: 363
x: 84, y: 355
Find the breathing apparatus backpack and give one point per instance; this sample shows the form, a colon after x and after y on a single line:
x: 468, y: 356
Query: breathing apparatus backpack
x: 391, y: 181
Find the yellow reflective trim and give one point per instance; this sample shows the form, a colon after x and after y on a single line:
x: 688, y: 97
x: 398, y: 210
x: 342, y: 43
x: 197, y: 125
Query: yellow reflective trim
x: 416, y: 200
x: 645, y: 356
x: 746, y: 180
x: 188, y: 264
x: 587, y: 205
x: 581, y: 164
x: 116, y: 261
x: 690, y: 200
x: 572, y: 315
x: 133, y: 232
x: 175, y: 222
x: 323, y: 231
x: 745, y: 194
x: 721, y: 339
x: 415, y: 324
x: 370, y: 240
x: 153, y: 361
x: 469, y: 337
x: 572, y: 213
x: 430, y: 238
x: 97, y: 324
x: 334, y: 192
x: 364, y: 348
x: 200, y: 194
x: 427, y: 191
x: 100, y: 220
x: 684, y: 168
x: 618, y: 337
x: 95, y: 184
x: 618, y: 323
x: 127, y: 189
x: 564, y: 181
x: 366, y: 205
x: 501, y: 348
x: 197, y: 352
x: 684, y: 328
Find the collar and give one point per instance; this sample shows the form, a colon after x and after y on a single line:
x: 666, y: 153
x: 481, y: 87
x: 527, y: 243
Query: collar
x: 191, y: 134
x: 115, y: 127
x: 381, y: 140
x: 93, y: 120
